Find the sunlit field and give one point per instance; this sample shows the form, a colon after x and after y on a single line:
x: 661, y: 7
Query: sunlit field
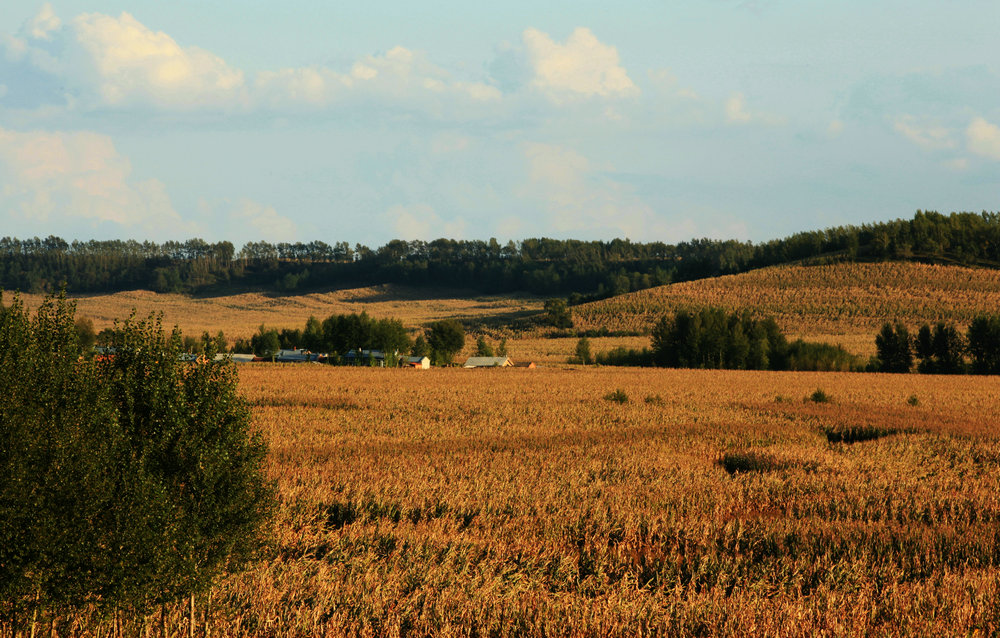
x: 240, y: 315
x: 529, y: 502
x: 842, y: 304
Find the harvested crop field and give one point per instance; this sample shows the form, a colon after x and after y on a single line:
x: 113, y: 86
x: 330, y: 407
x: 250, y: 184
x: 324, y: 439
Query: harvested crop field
x: 606, y: 502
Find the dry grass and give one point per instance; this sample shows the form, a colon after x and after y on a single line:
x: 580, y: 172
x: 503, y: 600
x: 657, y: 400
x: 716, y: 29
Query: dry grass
x: 844, y: 303
x: 240, y: 315
x: 521, y: 502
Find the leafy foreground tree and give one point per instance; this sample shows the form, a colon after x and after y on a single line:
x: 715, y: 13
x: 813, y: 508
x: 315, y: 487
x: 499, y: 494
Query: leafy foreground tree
x: 126, y: 482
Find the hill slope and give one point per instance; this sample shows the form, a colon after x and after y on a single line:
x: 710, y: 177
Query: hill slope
x: 240, y: 315
x: 844, y: 303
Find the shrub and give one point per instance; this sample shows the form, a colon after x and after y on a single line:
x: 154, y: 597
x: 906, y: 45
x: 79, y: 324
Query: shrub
x: 820, y: 396
x: 749, y: 461
x: 618, y: 396
x: 913, y: 400
x: 856, y: 434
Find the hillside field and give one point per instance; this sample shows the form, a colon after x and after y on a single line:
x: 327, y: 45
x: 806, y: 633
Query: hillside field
x: 709, y: 503
x: 842, y: 304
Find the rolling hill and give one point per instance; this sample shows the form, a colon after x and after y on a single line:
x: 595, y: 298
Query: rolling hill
x: 841, y: 303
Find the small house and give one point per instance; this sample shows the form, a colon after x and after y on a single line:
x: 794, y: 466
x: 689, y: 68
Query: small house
x: 488, y: 362
x: 420, y: 363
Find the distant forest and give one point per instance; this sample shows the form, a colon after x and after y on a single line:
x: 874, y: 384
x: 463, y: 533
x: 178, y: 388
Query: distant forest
x: 582, y: 270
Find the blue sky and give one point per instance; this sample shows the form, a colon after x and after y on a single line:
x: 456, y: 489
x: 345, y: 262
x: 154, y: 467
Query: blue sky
x: 378, y: 120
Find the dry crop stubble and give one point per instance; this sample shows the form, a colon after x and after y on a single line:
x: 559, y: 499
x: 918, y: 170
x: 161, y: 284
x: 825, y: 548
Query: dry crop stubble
x: 521, y: 502
x: 841, y: 303
x: 239, y: 315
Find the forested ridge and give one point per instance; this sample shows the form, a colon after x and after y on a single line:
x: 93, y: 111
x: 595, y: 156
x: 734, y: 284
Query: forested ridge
x: 582, y: 269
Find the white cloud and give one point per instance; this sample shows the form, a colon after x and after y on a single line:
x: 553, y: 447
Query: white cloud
x: 983, y: 138
x: 399, y: 76
x: 128, y: 63
x: 583, y: 67
x: 737, y: 113
x: 44, y: 23
x: 957, y: 164
x: 925, y: 134
x: 258, y: 220
x: 736, y: 109
x: 57, y: 177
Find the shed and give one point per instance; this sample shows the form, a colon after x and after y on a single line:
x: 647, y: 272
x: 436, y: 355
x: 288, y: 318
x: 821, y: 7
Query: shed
x: 488, y: 362
x: 421, y: 363
x: 527, y: 364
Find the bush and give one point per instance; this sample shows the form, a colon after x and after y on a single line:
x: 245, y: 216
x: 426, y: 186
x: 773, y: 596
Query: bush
x: 749, y: 461
x: 820, y: 396
x: 618, y: 396
x: 125, y: 482
x: 857, y: 434
x: 621, y: 356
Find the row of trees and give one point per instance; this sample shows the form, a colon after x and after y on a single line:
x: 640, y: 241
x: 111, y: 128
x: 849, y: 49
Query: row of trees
x: 582, y: 269
x: 339, y: 334
x: 941, y: 349
x: 125, y: 482
x: 713, y: 338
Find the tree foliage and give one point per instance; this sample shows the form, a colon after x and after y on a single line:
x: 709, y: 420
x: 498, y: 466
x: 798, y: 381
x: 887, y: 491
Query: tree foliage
x: 445, y: 338
x: 125, y: 481
x: 544, y: 266
x: 894, y: 348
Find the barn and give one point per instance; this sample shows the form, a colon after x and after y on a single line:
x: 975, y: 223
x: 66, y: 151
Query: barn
x: 488, y: 362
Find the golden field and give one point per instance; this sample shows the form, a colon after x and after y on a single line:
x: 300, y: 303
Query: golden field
x: 240, y: 315
x: 842, y: 303
x: 524, y: 503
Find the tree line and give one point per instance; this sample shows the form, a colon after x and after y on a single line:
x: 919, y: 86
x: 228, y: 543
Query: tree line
x: 581, y: 270
x: 713, y: 338
x: 940, y: 349
x: 339, y: 334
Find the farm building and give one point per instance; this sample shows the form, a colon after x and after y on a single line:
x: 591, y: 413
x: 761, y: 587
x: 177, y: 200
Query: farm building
x: 298, y: 356
x: 421, y: 363
x: 488, y: 362
x: 365, y: 358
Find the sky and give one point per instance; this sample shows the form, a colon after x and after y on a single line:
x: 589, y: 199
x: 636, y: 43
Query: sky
x: 364, y: 122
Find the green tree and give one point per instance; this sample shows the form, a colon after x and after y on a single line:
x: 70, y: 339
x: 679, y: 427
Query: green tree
x: 445, y: 339
x: 583, y: 350
x: 893, y: 347
x: 420, y: 347
x: 312, y: 336
x: 126, y: 482
x: 941, y: 351
x: 984, y: 344
x: 502, y: 348
x: 558, y: 314
x: 85, y: 333
x: 266, y: 343
x: 483, y: 349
